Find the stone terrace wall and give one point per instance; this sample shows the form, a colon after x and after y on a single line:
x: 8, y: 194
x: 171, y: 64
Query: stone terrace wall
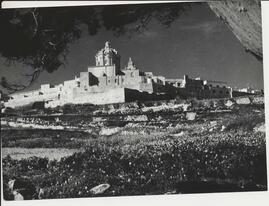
x: 134, y: 106
x: 134, y: 95
x: 108, y: 97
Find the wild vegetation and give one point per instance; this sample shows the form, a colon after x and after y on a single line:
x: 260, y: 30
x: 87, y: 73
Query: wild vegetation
x: 158, y: 151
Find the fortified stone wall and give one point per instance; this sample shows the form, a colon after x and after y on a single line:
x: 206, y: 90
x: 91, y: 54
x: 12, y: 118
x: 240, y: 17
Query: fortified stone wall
x: 79, y: 92
x: 24, y: 94
x: 216, y: 92
x: 215, y: 83
x: 134, y: 95
x: 89, y: 97
x: 193, y: 85
x: 22, y: 101
x: 146, y: 87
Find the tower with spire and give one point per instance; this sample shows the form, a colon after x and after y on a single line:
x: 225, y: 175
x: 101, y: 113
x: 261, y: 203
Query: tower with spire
x: 130, y: 65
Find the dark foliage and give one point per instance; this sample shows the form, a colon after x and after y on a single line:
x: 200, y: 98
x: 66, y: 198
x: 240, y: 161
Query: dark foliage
x: 39, y: 37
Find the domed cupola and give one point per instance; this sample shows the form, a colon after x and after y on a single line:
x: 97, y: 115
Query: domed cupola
x: 108, y: 57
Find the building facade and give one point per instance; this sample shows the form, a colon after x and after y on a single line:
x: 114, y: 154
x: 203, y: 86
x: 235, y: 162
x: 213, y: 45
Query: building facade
x: 107, y: 82
x: 103, y: 83
x: 201, y: 89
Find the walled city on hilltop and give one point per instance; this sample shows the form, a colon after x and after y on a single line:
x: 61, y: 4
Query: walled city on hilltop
x: 107, y: 83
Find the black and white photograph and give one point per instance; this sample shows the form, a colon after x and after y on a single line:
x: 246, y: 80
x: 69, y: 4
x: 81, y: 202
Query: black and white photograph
x: 132, y: 99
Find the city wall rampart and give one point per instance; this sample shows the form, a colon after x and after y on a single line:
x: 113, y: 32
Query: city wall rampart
x: 89, y: 97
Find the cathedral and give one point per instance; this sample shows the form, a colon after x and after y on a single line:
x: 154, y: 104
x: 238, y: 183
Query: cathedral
x: 107, y: 82
x: 107, y: 74
x: 104, y: 83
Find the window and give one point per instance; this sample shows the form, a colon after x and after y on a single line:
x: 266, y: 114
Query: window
x: 214, y: 91
x: 132, y: 74
x: 115, y: 80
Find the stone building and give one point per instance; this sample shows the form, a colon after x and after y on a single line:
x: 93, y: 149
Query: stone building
x: 107, y: 82
x: 198, y: 88
x: 103, y: 83
x: 216, y: 89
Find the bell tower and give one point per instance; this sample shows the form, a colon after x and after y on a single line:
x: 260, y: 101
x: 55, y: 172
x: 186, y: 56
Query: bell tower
x: 108, y: 57
x: 130, y: 65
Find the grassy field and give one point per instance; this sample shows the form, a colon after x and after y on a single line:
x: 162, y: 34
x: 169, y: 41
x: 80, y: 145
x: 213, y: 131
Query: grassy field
x: 220, y: 150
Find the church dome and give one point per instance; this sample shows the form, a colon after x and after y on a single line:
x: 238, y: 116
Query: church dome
x: 107, y: 56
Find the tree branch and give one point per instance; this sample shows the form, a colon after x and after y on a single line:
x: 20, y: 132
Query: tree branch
x: 36, y: 22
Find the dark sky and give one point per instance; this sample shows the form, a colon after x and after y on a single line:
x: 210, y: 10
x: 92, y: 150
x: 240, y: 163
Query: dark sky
x: 198, y: 44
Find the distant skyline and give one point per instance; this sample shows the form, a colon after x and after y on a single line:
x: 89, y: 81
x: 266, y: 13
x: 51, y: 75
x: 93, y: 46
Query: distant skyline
x: 198, y: 44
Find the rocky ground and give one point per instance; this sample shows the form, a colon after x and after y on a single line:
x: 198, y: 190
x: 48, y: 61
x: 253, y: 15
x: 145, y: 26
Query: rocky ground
x: 163, y: 147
